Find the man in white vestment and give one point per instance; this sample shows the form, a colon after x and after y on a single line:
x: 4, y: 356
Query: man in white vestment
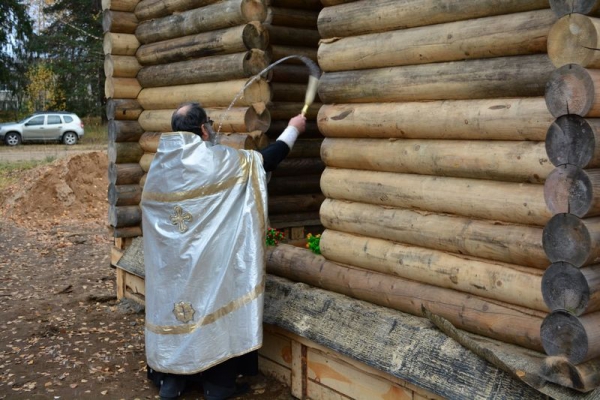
x: 204, y: 223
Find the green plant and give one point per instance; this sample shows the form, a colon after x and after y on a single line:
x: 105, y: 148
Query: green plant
x: 274, y: 236
x: 313, y: 243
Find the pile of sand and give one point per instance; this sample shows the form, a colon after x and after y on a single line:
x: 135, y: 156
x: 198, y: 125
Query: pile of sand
x: 73, y: 188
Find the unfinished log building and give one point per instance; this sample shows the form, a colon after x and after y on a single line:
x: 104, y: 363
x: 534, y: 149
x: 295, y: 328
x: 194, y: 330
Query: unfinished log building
x: 451, y: 159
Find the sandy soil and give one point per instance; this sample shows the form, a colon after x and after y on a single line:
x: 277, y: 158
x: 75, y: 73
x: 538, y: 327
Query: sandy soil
x: 63, y: 333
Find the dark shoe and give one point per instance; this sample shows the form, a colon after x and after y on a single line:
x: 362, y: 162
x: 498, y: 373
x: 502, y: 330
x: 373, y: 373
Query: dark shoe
x: 155, y: 376
x: 172, y: 386
x: 214, y: 392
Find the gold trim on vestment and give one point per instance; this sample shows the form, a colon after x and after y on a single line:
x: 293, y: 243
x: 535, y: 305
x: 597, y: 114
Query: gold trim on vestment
x: 210, y: 318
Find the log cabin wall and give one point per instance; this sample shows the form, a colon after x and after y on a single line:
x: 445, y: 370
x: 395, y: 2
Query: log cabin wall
x: 121, y: 90
x: 294, y: 193
x: 434, y: 125
x: 571, y: 284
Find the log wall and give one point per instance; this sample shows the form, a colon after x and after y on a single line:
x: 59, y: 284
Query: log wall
x: 470, y: 134
x: 570, y: 285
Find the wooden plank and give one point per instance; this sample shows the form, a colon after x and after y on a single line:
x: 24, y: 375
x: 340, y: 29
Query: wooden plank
x: 298, y: 387
x: 274, y: 370
x: 278, y: 349
x: 316, y: 391
x: 134, y: 288
x: 120, y: 283
x: 115, y: 255
x: 344, y: 378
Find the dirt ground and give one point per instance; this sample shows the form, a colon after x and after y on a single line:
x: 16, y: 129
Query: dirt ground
x: 63, y: 333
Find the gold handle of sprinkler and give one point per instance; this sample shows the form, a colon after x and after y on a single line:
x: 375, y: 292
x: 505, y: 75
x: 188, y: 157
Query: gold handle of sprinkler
x: 311, y: 92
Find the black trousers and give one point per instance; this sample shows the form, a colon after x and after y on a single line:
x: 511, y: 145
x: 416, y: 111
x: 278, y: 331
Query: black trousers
x: 225, y: 374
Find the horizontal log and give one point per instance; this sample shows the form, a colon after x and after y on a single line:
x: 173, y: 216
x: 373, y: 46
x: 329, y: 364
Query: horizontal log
x: 120, y: 44
x: 149, y: 9
x: 292, y: 220
x: 566, y: 7
x: 519, y: 203
x: 206, y: 69
x: 298, y: 4
x: 570, y: 239
x: 146, y: 160
x: 124, y: 174
x: 284, y: 35
x: 299, y: 166
x: 311, y: 131
x: 574, y: 40
x: 125, y: 216
x: 521, y: 76
x: 124, y: 131
x: 123, y: 109
x: 121, y: 66
x: 472, y: 313
x: 119, y: 22
x: 234, y: 120
x: 290, y: 73
x: 124, y: 152
x: 576, y: 290
x: 124, y: 195
x: 288, y: 110
x: 237, y: 141
x: 504, y: 282
x: 120, y: 5
x: 285, y: 185
x: 289, y: 92
x: 121, y: 88
x: 293, y: 18
x: 295, y: 203
x: 306, y: 148
x: 277, y: 52
x: 498, y: 36
x: 490, y: 240
x: 149, y: 141
x: 213, y: 94
x: 575, y: 338
x: 361, y: 17
x: 127, y: 232
x: 570, y: 189
x: 211, y: 17
x: 574, y: 140
x: 572, y: 89
x: 223, y: 41
x: 493, y: 160
x: 582, y: 377
x: 495, y: 119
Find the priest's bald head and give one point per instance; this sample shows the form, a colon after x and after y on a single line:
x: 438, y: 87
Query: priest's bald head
x: 191, y: 117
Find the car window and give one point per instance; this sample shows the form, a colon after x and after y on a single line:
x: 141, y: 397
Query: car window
x: 36, y: 121
x: 53, y: 120
x: 67, y: 119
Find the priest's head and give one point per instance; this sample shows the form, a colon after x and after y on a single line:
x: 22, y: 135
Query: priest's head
x: 191, y: 117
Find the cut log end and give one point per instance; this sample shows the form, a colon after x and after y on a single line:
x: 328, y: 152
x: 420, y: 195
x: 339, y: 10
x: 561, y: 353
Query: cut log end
x: 574, y: 40
x: 570, y: 140
x: 568, y: 189
x: 566, y: 7
x: 570, y: 90
x: 563, y: 335
x: 255, y: 36
x: 564, y: 287
x: 566, y: 238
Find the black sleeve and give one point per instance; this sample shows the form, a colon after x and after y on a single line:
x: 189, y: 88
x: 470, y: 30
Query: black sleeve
x: 273, y: 154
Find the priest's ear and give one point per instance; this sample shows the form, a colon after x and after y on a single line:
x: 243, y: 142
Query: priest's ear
x: 205, y: 136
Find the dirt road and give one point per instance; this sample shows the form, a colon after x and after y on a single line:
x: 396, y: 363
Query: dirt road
x: 31, y: 152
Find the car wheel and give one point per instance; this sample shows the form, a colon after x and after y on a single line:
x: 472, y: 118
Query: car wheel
x: 69, y: 138
x: 12, y: 139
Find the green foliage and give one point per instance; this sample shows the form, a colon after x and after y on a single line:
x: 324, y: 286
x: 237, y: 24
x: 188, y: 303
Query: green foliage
x: 15, y: 31
x: 274, y: 236
x: 72, y: 48
x: 313, y: 243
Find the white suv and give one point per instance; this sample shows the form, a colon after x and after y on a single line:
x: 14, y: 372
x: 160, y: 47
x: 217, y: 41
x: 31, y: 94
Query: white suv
x: 44, y: 126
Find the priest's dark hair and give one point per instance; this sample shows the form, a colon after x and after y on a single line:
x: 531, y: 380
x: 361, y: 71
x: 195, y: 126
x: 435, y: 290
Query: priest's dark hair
x: 188, y: 117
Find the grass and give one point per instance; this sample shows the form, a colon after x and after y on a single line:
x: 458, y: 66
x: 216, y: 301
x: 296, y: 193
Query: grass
x: 10, y: 171
x: 95, y: 131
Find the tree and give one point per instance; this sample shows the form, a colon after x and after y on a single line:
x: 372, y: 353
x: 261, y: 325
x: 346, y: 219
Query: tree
x: 43, y: 91
x: 72, y: 47
x: 15, y: 33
